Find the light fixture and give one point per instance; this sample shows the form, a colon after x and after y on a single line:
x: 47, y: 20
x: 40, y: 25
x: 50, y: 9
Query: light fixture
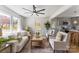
x: 34, y: 11
x: 75, y: 22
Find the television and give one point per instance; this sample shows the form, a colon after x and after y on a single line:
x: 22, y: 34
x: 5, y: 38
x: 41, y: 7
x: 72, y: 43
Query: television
x: 65, y: 23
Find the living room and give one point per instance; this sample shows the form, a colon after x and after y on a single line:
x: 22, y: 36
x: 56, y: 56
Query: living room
x: 34, y: 29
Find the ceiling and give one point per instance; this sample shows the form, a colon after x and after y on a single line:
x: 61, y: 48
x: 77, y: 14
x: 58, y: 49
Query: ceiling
x: 50, y: 9
x: 72, y: 12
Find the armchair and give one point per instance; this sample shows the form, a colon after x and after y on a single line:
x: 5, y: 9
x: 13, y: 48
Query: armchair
x: 60, y: 43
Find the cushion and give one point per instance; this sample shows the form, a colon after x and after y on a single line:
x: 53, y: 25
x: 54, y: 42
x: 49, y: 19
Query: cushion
x: 12, y: 36
x: 59, y: 36
x: 25, y: 37
x: 19, y: 39
x: 24, y: 33
x: 18, y: 34
x: 62, y: 38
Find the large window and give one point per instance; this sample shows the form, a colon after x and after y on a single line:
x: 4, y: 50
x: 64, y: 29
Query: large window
x: 8, y: 24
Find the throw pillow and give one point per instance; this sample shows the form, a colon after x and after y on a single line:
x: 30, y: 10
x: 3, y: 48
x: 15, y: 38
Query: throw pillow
x: 59, y: 36
x: 19, y: 39
x: 63, y: 36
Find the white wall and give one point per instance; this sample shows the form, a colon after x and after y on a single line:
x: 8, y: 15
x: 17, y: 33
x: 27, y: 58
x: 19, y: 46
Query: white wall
x: 23, y: 23
x: 31, y: 22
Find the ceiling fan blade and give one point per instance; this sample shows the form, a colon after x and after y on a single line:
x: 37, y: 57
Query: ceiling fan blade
x: 27, y: 9
x: 34, y: 7
x: 31, y: 14
x: 28, y: 13
x: 37, y: 14
x: 40, y: 13
x: 41, y: 10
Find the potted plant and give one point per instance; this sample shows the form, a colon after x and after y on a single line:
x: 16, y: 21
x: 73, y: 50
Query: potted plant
x: 47, y: 25
x: 27, y: 29
x: 37, y: 34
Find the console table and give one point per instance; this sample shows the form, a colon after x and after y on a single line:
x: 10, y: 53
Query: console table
x: 74, y: 38
x: 7, y: 48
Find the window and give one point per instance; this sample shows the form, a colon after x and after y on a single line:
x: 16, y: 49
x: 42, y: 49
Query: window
x: 8, y: 24
x: 14, y: 23
x: 5, y: 22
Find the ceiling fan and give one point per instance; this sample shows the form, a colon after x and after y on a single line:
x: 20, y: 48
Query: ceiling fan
x: 37, y: 12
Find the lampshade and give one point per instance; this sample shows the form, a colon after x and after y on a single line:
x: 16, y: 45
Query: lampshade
x: 75, y: 22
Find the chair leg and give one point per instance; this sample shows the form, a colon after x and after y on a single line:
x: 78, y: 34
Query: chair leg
x: 54, y: 51
x: 67, y: 51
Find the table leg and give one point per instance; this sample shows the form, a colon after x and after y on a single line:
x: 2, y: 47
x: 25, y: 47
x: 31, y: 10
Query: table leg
x: 10, y: 48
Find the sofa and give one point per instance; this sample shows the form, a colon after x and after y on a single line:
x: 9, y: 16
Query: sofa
x: 19, y: 43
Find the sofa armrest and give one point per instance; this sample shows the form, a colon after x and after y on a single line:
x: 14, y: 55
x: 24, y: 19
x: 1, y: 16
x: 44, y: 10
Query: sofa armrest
x: 14, y: 45
x: 24, y: 37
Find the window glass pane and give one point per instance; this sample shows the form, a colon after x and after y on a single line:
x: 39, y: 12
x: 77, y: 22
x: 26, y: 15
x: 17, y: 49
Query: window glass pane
x: 5, y: 22
x: 15, y: 23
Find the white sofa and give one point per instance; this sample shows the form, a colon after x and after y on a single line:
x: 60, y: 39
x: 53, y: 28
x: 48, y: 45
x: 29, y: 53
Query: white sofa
x: 18, y: 44
x: 60, y: 45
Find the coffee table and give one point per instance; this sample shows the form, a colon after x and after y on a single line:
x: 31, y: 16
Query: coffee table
x: 37, y: 41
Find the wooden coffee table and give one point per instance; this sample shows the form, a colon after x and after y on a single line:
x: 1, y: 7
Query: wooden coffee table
x: 37, y: 41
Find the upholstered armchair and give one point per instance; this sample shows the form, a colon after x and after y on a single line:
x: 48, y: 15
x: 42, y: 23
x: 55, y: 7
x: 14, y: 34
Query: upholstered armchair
x: 61, y: 42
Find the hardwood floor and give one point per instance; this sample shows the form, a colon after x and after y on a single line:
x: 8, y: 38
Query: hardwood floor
x: 47, y: 49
